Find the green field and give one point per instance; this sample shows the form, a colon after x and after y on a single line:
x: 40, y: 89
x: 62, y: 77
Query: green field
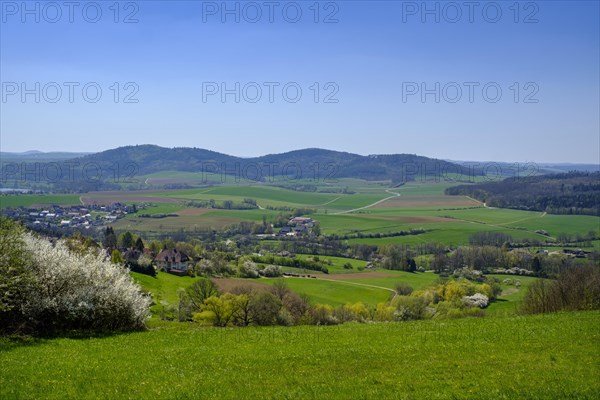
x: 321, y: 291
x: 164, y: 286
x: 446, y: 219
x: 338, y: 289
x: 537, y: 357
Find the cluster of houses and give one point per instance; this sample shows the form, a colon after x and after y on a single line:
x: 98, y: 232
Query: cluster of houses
x: 297, y: 226
x: 76, y: 216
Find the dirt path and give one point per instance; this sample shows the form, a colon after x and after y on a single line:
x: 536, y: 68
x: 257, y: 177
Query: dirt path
x: 370, y: 205
x: 477, y: 201
x: 355, y: 284
x: 331, y: 201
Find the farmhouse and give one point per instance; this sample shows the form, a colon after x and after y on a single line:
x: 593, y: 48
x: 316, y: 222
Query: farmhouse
x: 301, y: 221
x: 173, y: 261
x: 285, y: 230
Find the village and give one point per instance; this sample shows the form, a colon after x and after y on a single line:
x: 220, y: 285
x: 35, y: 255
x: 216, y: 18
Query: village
x: 73, y: 216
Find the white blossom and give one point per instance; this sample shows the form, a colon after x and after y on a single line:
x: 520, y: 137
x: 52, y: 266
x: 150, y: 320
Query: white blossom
x: 477, y: 300
x: 81, y: 291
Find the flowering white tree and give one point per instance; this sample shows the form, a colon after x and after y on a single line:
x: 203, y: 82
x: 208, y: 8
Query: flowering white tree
x: 81, y: 291
x: 477, y: 300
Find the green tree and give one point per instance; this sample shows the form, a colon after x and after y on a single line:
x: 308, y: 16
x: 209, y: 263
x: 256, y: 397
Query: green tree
x: 139, y: 244
x: 242, y: 311
x: 316, y: 229
x: 220, y: 309
x: 116, y: 257
x: 265, y: 307
x: 536, y: 265
x: 127, y: 240
x: 15, y: 280
x: 110, y: 239
x: 201, y: 290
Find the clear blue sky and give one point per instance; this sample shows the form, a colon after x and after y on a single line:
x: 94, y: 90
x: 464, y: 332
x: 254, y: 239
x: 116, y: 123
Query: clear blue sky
x: 372, y: 54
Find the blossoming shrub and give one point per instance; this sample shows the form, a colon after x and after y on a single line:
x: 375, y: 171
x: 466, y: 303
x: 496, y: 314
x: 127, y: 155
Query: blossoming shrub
x: 477, y: 300
x: 80, y: 291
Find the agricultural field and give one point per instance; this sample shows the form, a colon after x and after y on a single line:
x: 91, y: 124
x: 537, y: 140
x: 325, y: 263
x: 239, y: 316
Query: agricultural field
x: 372, y: 208
x: 535, y: 357
x: 37, y: 200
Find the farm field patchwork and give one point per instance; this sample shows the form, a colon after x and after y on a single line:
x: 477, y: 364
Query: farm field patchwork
x: 447, y: 219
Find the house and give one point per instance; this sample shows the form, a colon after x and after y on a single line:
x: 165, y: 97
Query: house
x: 285, y: 230
x: 300, y: 221
x: 173, y: 261
x: 131, y: 256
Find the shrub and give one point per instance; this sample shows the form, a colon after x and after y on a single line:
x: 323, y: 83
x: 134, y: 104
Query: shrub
x: 477, y: 300
x: 577, y: 288
x: 272, y: 271
x: 247, y: 270
x: 409, y: 308
x: 403, y: 289
x: 80, y: 291
x: 384, y: 312
x: 322, y: 314
x: 266, y: 307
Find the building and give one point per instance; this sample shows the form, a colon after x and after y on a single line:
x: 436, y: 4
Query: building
x: 173, y: 261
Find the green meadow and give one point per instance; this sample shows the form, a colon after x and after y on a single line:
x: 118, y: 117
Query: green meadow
x: 535, y: 357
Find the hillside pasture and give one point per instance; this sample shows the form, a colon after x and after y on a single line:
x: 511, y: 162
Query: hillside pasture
x: 323, y: 291
x: 535, y: 357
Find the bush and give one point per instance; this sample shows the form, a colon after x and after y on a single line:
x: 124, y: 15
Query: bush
x: 247, y: 270
x: 266, y: 307
x: 403, y: 289
x: 409, y: 308
x: 577, y: 288
x: 272, y: 271
x: 477, y: 300
x: 322, y: 314
x: 80, y: 291
x: 384, y: 312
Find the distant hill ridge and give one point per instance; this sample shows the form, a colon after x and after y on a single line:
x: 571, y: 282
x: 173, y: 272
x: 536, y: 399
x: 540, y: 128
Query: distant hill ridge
x: 396, y: 167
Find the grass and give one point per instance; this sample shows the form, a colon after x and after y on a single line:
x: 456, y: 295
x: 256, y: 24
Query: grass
x: 447, y: 219
x: 534, y: 357
x: 337, y: 266
x: 321, y: 291
x: 416, y: 280
x: 509, y: 302
x: 164, y: 286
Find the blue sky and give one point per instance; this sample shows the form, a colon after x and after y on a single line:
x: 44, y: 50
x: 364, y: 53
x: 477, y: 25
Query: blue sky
x: 368, y: 61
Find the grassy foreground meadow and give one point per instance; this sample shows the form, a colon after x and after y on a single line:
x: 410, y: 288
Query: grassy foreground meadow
x: 534, y: 357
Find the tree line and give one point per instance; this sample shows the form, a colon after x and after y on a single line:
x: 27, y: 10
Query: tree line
x: 567, y: 193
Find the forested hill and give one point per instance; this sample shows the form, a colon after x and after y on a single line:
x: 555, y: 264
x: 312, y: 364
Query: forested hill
x: 326, y: 163
x: 568, y: 193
